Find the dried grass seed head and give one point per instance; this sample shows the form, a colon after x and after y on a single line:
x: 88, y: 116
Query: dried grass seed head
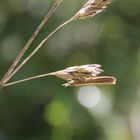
x: 91, y: 8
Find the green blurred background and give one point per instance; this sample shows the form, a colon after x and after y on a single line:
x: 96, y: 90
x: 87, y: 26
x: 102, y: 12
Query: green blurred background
x: 44, y: 110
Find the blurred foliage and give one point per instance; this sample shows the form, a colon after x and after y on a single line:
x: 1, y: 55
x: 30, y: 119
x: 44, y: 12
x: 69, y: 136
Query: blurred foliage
x: 44, y: 110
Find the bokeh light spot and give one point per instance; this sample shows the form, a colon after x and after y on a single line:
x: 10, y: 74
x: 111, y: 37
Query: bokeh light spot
x: 89, y: 96
x: 56, y: 113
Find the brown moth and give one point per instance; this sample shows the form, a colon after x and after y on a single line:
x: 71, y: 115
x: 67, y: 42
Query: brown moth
x: 83, y: 75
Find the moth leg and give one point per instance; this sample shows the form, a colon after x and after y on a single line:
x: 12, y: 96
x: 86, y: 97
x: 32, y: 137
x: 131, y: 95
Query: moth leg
x: 73, y: 81
x: 68, y: 83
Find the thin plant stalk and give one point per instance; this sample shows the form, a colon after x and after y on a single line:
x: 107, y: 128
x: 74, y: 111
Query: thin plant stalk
x: 37, y: 48
x: 26, y: 79
x: 20, y: 55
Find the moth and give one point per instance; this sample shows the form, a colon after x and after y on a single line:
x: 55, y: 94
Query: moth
x: 83, y: 75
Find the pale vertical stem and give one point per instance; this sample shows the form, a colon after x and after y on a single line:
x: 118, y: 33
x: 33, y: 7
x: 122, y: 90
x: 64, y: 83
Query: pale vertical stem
x: 20, y: 55
x: 37, y: 48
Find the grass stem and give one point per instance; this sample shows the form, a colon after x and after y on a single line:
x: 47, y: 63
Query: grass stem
x: 20, y: 55
x: 26, y: 79
x: 37, y: 48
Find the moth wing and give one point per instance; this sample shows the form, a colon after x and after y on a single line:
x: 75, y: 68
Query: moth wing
x: 92, y: 81
x: 92, y: 69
